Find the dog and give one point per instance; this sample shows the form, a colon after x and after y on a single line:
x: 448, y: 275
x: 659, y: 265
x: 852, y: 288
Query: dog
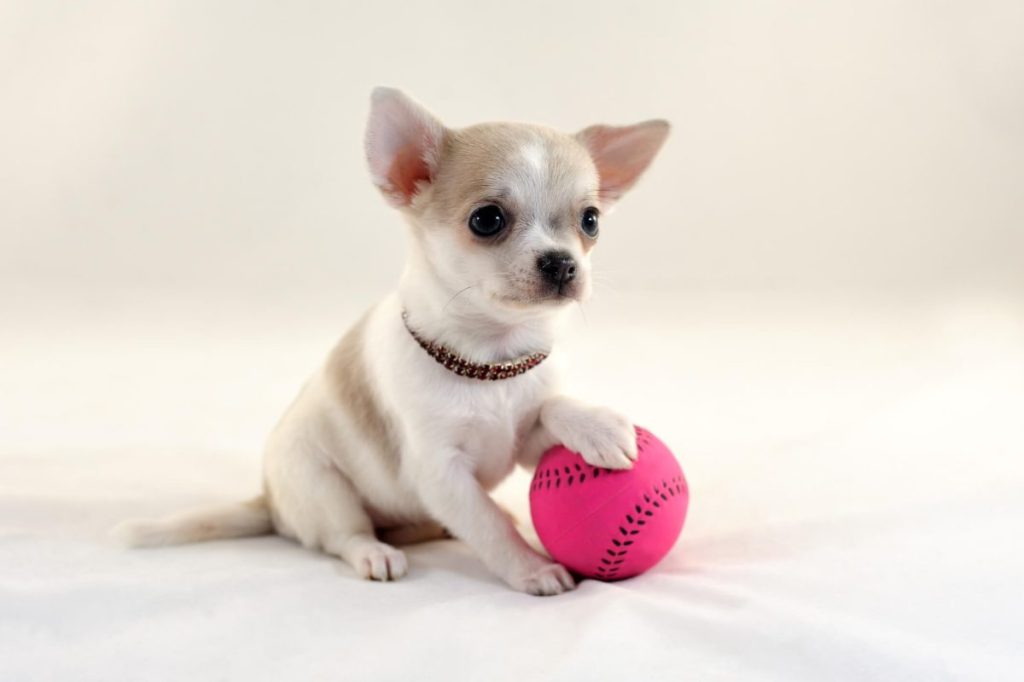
x: 435, y: 395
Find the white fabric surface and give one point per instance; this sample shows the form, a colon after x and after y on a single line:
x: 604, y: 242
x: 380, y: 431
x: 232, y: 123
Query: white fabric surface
x: 857, y: 503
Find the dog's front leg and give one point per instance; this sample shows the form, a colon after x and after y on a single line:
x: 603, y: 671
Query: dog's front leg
x: 603, y: 437
x: 454, y: 498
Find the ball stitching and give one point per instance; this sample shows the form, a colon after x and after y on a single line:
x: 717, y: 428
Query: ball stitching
x: 554, y: 475
x: 632, y: 525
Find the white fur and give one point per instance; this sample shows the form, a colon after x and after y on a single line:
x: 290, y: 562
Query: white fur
x: 536, y: 156
x: 226, y: 521
x: 329, y: 485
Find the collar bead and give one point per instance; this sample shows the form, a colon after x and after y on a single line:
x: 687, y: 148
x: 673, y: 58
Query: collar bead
x: 485, y: 371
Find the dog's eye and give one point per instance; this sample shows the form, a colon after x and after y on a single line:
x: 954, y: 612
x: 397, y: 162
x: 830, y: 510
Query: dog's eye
x: 487, y: 221
x: 588, y: 223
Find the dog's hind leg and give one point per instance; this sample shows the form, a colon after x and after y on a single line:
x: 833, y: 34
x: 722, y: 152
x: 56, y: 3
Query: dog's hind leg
x: 317, y: 504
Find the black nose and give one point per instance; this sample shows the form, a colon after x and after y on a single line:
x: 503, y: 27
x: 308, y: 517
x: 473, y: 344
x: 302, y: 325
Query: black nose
x: 558, y: 267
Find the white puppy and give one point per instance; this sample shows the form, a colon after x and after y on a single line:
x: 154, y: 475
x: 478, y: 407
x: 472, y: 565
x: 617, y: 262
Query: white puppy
x: 438, y: 391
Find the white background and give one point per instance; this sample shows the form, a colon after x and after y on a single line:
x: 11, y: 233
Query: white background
x: 216, y: 148
x: 815, y: 297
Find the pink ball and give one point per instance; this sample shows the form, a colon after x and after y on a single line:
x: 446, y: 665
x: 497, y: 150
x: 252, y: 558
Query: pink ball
x: 609, y: 524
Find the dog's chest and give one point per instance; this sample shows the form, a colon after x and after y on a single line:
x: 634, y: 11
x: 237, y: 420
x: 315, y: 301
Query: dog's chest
x: 492, y: 446
x: 493, y: 427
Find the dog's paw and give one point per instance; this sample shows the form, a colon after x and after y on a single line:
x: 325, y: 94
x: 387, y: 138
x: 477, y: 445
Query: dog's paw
x: 603, y: 437
x: 545, y: 579
x: 378, y: 561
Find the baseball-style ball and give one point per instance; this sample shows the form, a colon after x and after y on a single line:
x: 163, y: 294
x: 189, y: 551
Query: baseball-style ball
x: 609, y: 524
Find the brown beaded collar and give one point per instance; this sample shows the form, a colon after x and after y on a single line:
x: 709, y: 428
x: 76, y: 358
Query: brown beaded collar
x: 487, y: 371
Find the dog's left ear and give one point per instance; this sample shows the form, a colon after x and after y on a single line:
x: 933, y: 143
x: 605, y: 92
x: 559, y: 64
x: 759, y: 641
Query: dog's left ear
x: 622, y: 153
x: 403, y: 144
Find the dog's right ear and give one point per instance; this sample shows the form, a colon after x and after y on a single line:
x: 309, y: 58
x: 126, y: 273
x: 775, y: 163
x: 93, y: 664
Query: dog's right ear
x: 403, y: 145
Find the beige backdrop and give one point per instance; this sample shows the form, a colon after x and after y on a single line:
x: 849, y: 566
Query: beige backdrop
x: 215, y: 148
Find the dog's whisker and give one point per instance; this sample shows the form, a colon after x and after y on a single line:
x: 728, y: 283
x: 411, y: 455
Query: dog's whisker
x: 583, y: 313
x: 457, y: 294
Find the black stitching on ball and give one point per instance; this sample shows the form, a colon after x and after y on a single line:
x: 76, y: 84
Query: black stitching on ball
x: 623, y: 545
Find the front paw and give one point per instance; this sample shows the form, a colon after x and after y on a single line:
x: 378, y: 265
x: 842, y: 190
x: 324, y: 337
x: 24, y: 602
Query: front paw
x: 542, y: 578
x: 603, y: 437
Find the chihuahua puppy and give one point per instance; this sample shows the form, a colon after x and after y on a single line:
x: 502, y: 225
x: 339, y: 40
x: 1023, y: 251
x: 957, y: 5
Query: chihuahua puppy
x: 431, y: 399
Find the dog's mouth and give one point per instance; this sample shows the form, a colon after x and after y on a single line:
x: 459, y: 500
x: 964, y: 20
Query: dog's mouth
x: 549, y: 299
x: 534, y: 293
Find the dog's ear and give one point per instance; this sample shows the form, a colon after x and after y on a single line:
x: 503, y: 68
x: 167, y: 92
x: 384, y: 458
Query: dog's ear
x: 403, y: 144
x: 622, y: 153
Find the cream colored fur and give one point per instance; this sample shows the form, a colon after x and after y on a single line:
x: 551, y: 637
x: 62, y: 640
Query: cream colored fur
x: 383, y: 442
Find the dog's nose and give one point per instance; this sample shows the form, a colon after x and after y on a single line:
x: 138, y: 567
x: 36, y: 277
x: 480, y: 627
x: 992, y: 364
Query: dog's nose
x: 558, y: 267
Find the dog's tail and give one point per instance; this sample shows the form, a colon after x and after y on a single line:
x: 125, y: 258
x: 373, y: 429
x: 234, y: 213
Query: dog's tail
x: 239, y: 520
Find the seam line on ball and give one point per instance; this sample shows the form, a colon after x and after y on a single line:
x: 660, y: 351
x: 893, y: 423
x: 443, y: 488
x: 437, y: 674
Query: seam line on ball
x: 633, y: 522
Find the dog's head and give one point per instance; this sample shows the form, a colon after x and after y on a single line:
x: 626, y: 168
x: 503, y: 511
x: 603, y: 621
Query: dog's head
x: 504, y: 214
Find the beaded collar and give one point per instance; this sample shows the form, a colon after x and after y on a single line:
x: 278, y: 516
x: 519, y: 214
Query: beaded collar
x: 486, y: 371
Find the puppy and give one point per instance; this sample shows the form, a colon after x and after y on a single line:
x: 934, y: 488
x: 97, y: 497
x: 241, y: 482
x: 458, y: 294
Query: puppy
x: 432, y: 398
